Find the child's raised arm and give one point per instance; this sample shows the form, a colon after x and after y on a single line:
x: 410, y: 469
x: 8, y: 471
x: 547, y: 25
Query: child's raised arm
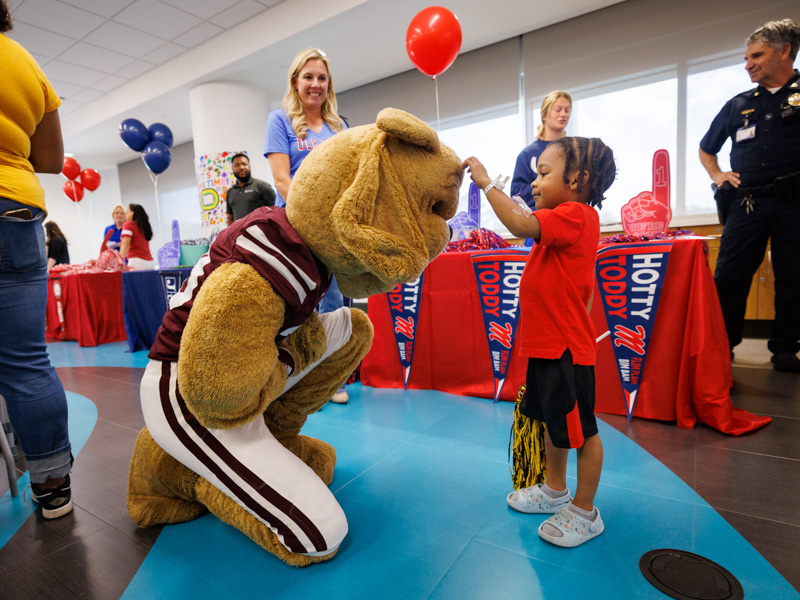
x: 518, y: 224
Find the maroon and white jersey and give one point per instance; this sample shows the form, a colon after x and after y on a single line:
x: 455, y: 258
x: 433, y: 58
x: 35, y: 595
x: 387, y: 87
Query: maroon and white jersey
x: 267, y: 242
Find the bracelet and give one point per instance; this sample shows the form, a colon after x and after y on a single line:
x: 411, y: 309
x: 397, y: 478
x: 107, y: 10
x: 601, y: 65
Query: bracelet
x: 497, y: 183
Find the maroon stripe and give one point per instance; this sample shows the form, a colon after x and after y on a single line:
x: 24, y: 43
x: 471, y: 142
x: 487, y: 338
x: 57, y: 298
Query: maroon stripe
x: 267, y: 492
x: 280, y: 257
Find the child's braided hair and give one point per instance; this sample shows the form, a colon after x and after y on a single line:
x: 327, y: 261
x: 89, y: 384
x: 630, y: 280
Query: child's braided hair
x: 594, y: 157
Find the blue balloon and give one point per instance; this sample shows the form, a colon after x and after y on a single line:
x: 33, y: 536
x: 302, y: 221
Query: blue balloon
x: 161, y: 133
x: 134, y: 134
x: 156, y: 157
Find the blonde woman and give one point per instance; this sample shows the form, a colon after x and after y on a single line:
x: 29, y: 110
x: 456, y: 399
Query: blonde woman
x: 113, y: 241
x: 556, y: 108
x: 307, y: 117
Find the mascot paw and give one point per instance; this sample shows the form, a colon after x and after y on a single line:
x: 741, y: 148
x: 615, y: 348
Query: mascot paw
x: 318, y: 455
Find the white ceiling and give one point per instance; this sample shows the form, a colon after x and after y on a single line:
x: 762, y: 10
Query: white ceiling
x: 114, y: 59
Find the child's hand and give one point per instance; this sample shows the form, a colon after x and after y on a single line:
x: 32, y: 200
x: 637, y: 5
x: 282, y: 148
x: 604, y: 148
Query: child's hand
x: 477, y: 172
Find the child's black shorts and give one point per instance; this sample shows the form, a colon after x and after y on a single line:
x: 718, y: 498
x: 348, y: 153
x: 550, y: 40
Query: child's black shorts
x: 562, y: 395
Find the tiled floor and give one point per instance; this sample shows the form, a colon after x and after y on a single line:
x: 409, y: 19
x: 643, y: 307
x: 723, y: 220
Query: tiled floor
x: 422, y: 477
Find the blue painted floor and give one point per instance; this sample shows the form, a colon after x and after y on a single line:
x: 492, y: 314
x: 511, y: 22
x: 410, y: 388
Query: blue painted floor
x: 422, y: 477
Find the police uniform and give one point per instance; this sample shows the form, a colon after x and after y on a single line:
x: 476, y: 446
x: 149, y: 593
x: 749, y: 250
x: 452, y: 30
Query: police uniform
x: 765, y: 133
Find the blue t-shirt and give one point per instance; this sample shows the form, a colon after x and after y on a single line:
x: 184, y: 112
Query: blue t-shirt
x: 525, y: 171
x: 116, y: 237
x: 281, y: 138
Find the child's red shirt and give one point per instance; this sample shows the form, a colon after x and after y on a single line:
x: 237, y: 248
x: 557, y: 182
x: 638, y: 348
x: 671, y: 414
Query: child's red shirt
x: 557, y: 283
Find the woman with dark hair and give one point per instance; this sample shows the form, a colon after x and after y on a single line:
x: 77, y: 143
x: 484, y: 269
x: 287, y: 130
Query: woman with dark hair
x: 136, y: 236
x: 57, y: 251
x: 30, y: 143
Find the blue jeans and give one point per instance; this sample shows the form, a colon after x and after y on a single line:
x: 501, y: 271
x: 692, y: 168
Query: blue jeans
x: 37, y: 405
x: 332, y: 300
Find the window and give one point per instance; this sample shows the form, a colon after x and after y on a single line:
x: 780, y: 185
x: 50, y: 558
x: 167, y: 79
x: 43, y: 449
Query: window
x: 634, y: 122
x: 496, y: 142
x: 707, y: 92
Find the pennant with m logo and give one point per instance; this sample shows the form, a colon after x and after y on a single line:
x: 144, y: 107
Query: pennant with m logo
x: 630, y: 278
x: 497, y: 275
x: 404, y: 310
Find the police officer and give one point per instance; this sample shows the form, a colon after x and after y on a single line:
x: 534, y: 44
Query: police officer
x: 759, y: 198
x: 248, y: 193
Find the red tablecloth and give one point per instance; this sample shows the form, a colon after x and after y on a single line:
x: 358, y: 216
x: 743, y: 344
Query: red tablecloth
x: 687, y: 374
x: 85, y: 307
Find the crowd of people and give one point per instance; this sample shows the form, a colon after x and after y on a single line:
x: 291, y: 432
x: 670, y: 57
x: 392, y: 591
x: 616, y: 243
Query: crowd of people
x: 562, y: 180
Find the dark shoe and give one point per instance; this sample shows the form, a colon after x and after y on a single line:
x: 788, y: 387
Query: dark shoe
x: 786, y: 361
x: 55, y: 502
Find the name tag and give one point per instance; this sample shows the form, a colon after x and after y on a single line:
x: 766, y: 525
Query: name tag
x: 746, y: 133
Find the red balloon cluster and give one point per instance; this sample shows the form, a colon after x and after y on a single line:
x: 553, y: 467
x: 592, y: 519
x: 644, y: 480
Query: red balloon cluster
x: 433, y: 40
x: 78, y: 180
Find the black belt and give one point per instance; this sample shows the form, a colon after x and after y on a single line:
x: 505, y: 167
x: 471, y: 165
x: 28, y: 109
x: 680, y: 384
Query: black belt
x: 783, y: 188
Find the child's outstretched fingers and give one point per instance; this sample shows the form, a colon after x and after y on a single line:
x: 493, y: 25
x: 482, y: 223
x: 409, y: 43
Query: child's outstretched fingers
x: 477, y: 171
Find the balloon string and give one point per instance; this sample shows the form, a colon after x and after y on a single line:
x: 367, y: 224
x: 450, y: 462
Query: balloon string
x: 438, y: 124
x: 77, y: 203
x: 154, y: 179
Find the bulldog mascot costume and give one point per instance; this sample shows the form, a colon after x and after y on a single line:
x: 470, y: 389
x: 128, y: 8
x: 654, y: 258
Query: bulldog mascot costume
x: 241, y: 359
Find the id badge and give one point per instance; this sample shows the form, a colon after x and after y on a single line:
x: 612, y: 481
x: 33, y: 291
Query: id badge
x: 745, y: 133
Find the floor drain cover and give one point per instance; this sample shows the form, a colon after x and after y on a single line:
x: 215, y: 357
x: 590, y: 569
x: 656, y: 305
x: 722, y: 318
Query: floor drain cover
x: 687, y: 576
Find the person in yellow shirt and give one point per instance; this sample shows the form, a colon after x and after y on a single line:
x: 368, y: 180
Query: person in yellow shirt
x: 30, y: 143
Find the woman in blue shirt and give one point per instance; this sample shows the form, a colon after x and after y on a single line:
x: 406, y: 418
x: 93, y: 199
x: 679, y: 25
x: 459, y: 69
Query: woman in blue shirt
x: 307, y: 118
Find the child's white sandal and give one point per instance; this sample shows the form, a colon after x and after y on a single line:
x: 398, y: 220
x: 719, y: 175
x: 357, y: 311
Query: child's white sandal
x: 575, y: 530
x: 534, y: 500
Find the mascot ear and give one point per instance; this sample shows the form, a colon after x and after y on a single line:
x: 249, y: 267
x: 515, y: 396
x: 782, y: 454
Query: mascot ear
x: 406, y: 127
x: 374, y: 219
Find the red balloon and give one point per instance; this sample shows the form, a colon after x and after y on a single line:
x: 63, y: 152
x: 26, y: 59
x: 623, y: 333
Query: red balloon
x: 90, y: 179
x: 433, y: 40
x: 73, y: 190
x: 71, y: 168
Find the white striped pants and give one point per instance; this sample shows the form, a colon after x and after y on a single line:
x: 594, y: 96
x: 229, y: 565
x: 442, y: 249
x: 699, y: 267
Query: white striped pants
x: 247, y: 463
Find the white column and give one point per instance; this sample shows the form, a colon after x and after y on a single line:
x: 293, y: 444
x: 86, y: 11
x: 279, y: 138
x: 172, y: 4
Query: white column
x: 231, y: 116
x: 226, y: 117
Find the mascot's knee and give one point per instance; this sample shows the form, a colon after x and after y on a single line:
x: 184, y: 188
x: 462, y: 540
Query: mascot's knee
x: 333, y: 529
x: 362, y: 327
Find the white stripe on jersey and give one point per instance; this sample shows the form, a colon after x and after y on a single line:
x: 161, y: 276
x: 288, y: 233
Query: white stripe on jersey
x: 276, y: 264
x: 251, y: 432
x: 191, y: 283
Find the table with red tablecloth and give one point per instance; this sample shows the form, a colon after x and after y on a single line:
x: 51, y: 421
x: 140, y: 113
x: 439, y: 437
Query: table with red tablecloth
x: 85, y: 307
x: 687, y: 375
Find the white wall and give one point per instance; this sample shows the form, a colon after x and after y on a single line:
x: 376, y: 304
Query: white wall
x: 84, y: 222
x: 177, y: 195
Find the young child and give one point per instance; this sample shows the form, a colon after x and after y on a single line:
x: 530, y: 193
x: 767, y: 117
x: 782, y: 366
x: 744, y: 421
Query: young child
x: 556, y: 333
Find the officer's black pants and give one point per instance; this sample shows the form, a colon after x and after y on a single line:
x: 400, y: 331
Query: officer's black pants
x: 744, y: 240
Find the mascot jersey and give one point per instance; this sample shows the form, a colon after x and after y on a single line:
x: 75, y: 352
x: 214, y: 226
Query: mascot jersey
x: 247, y: 463
x: 267, y: 242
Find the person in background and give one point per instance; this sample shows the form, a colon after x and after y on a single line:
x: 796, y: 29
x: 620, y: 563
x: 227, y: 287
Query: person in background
x: 248, y: 193
x: 30, y: 143
x: 307, y: 118
x: 556, y: 333
x: 56, y: 241
x: 556, y: 109
x: 112, y: 241
x: 759, y: 198
x: 136, y: 236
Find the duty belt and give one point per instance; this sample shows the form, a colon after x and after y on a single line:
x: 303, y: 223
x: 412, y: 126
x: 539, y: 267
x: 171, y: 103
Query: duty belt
x: 782, y: 188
